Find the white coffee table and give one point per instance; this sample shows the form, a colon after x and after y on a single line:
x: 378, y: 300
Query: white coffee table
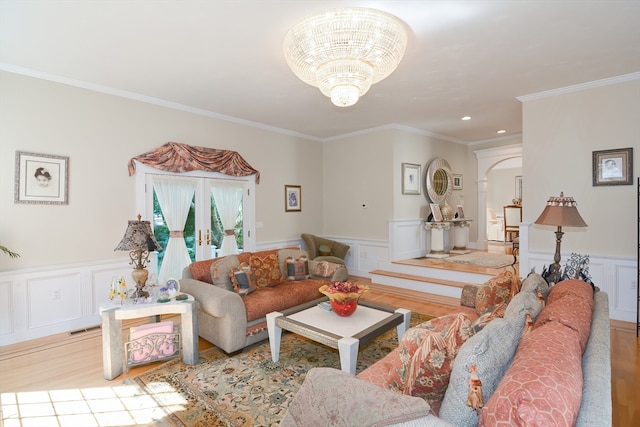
x: 112, y: 343
x: 343, y: 333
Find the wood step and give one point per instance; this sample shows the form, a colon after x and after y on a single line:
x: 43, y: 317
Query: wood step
x: 425, y: 297
x: 425, y: 279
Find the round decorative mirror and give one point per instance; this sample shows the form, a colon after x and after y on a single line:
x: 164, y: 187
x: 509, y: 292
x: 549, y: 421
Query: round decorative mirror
x: 438, y: 181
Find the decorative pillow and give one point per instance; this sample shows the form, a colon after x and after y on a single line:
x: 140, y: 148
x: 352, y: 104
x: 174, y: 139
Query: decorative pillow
x: 535, y: 281
x: 468, y: 296
x: 298, y: 269
x: 266, y: 269
x: 491, y: 351
x: 244, y: 281
x: 570, y: 303
x: 329, y: 397
x: 543, y: 385
x: 325, y: 269
x: 284, y: 254
x: 427, y: 352
x: 221, y: 270
x: 493, y: 313
x: 325, y: 250
x: 201, y: 270
x: 495, y: 291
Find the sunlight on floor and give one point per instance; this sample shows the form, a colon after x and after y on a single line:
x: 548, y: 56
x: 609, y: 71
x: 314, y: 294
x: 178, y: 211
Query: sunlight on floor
x: 124, y: 405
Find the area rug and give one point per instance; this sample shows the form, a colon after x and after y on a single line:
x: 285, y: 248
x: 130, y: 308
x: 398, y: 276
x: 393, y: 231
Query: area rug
x: 248, y: 389
x: 482, y: 259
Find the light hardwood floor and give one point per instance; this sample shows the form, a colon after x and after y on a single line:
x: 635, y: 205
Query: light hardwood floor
x: 75, y: 362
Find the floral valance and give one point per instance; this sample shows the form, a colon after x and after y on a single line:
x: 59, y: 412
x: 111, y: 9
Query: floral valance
x: 178, y: 157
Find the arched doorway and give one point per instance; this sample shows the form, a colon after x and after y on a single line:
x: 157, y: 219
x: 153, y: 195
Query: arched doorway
x: 487, y: 159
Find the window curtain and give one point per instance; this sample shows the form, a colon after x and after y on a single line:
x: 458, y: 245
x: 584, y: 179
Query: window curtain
x: 177, y: 157
x: 174, y: 195
x: 228, y: 197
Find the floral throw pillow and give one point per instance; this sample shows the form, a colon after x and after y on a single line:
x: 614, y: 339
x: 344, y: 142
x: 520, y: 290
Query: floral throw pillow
x: 266, y: 269
x: 426, y: 355
x: 494, y: 292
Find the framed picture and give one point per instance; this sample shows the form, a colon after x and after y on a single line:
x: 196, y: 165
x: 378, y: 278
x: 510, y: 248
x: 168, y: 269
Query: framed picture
x: 410, y: 178
x: 518, y: 193
x: 292, y: 198
x: 41, y: 179
x: 460, y: 211
x: 435, y: 211
x: 457, y: 181
x: 613, y: 167
x: 173, y: 286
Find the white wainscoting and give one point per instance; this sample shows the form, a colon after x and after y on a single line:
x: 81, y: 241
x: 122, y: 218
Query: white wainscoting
x: 39, y: 302
x: 615, y: 276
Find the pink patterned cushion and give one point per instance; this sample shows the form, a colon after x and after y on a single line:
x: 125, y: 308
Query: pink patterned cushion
x: 378, y: 373
x: 570, y: 303
x: 495, y: 291
x: 266, y: 268
x: 201, y: 270
x: 329, y: 397
x: 426, y: 355
x: 543, y: 385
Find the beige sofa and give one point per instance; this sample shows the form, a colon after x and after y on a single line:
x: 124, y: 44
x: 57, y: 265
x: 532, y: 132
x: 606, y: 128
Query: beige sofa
x: 231, y: 321
x: 553, y: 369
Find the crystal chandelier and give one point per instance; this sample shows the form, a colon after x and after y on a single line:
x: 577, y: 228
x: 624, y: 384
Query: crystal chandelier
x: 344, y: 51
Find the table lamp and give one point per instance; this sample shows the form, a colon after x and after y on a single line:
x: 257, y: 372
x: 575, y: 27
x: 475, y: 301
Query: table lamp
x: 138, y: 239
x: 560, y: 211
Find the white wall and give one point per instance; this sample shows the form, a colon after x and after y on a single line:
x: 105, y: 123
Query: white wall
x: 560, y: 134
x: 100, y: 133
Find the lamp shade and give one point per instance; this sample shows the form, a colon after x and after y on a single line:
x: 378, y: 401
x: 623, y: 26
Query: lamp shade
x: 561, y: 211
x: 138, y: 236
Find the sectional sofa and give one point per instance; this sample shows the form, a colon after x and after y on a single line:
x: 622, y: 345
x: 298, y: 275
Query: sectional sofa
x: 539, y: 357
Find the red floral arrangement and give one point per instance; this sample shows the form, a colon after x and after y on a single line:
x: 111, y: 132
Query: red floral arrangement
x: 342, y: 291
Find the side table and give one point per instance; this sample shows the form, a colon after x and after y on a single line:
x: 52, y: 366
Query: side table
x: 112, y: 343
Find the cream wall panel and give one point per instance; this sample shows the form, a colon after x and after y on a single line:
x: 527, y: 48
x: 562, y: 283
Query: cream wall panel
x: 357, y: 171
x: 100, y: 133
x: 560, y: 134
x: 6, y: 307
x: 54, y: 299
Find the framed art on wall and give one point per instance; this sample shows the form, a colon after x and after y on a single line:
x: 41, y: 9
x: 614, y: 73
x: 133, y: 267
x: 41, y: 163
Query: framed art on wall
x: 41, y: 179
x: 613, y: 167
x: 410, y: 178
x: 457, y: 181
x: 292, y: 198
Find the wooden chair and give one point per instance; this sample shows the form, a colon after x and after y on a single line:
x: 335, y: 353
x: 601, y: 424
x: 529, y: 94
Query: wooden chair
x: 512, y: 220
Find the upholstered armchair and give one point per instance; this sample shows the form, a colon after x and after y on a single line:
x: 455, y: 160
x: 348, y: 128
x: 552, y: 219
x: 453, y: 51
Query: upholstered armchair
x: 321, y: 249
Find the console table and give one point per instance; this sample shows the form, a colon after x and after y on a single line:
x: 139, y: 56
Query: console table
x: 460, y: 237
x: 112, y: 343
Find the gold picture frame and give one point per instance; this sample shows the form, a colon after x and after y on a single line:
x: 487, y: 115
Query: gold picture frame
x: 292, y: 198
x: 613, y: 167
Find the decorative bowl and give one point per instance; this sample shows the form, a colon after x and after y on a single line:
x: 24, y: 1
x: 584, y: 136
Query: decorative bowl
x: 343, y: 296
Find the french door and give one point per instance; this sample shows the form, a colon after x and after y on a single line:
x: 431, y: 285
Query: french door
x: 216, y: 216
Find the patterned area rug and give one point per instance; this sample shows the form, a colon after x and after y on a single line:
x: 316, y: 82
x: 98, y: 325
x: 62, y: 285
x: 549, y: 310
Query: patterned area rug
x: 482, y: 259
x: 248, y: 389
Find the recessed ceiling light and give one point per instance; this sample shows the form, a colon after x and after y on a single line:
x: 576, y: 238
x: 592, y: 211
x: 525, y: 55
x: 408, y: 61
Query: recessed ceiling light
x: 466, y: 118
x: 502, y: 131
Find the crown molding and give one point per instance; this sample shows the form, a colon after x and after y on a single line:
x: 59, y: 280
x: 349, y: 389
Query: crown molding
x: 580, y: 87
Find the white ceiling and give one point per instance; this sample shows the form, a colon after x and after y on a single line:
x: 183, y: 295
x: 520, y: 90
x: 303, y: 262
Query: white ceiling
x: 224, y: 58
